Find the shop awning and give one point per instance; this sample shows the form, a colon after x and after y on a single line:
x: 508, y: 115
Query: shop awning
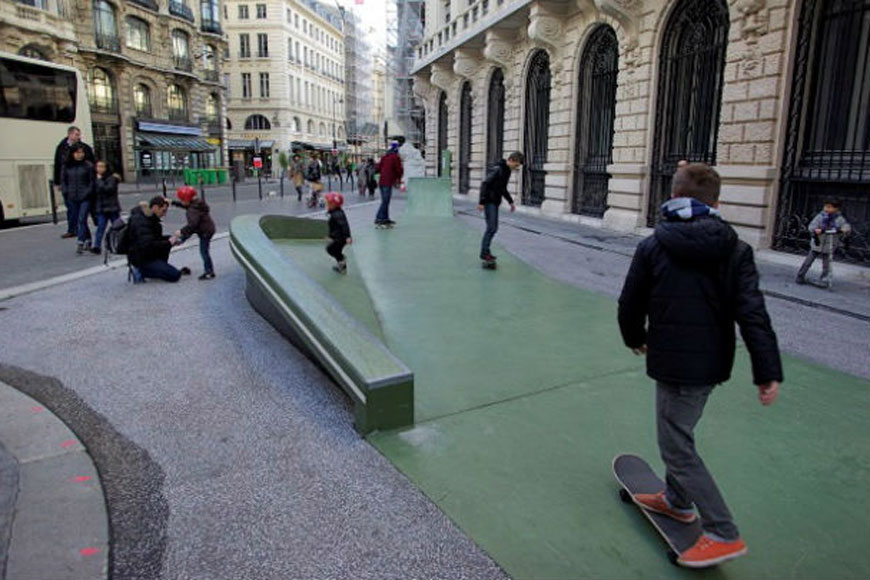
x: 161, y: 142
x: 249, y: 144
x: 170, y: 128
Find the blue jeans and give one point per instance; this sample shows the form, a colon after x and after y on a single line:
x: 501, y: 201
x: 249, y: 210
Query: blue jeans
x: 103, y: 219
x: 80, y: 209
x: 71, y: 216
x: 490, y: 211
x: 161, y: 270
x: 204, y: 244
x: 384, y: 210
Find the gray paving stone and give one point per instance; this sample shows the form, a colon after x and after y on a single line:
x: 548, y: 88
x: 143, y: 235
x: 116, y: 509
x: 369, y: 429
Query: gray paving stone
x: 8, y: 495
x: 31, y: 432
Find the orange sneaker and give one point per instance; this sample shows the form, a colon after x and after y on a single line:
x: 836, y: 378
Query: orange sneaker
x: 656, y: 502
x: 709, y: 552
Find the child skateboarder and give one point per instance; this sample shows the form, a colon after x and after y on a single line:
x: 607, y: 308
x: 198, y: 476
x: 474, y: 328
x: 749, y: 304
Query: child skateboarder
x: 492, y: 190
x: 825, y: 230
x: 339, y: 231
x: 688, y: 284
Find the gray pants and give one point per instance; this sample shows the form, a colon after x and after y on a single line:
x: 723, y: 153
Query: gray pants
x: 826, y: 265
x: 678, y: 410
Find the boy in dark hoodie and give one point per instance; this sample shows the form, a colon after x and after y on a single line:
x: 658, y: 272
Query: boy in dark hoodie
x: 688, y: 284
x: 199, y: 222
x: 492, y: 191
x: 339, y: 231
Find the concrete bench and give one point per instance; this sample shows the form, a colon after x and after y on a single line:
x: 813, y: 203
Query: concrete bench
x: 379, y: 384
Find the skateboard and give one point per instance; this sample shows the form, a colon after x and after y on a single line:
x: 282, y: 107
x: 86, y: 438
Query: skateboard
x: 636, y: 476
x: 488, y: 264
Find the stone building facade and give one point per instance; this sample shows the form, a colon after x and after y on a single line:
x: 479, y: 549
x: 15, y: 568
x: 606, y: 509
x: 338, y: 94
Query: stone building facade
x: 152, y: 71
x: 286, y: 76
x: 606, y: 96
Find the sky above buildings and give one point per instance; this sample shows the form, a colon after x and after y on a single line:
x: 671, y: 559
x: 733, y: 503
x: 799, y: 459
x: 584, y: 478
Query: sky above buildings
x: 374, y: 16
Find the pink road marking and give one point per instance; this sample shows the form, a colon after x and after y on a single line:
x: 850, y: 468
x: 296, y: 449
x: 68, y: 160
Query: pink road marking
x: 68, y: 443
x: 82, y: 478
x: 37, y: 409
x: 89, y: 551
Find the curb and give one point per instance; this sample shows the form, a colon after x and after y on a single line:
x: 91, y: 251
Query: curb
x: 59, y: 525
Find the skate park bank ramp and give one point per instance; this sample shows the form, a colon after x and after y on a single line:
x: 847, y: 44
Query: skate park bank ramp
x: 523, y: 394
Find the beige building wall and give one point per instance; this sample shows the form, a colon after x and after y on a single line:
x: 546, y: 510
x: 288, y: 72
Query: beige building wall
x: 465, y: 43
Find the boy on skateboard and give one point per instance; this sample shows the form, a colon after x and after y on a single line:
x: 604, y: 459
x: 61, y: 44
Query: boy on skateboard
x: 492, y: 190
x: 688, y: 284
x: 339, y: 231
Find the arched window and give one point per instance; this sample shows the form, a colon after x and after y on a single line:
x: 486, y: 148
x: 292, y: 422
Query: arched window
x: 692, y: 65
x: 105, y: 27
x: 596, y: 110
x: 210, y: 14
x: 33, y: 51
x: 209, y: 62
x: 176, y: 102
x: 212, y: 109
x: 537, y: 128
x: 341, y: 132
x: 495, y: 118
x: 101, y: 91
x: 297, y: 125
x: 323, y: 129
x: 310, y: 127
x: 138, y: 34
x: 142, y: 100
x: 465, y: 112
x: 442, y: 131
x: 229, y: 124
x: 257, y: 123
x: 181, y: 50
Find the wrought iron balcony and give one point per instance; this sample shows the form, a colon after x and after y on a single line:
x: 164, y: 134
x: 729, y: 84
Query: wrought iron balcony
x: 149, y: 4
x: 178, y: 115
x: 182, y: 63
x: 211, y: 27
x: 214, y: 126
x: 211, y: 75
x: 181, y: 10
x: 110, y: 42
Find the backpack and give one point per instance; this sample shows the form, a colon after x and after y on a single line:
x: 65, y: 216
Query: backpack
x: 313, y: 173
x: 118, y: 238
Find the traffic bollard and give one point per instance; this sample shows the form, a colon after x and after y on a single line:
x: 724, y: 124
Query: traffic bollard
x: 234, y: 189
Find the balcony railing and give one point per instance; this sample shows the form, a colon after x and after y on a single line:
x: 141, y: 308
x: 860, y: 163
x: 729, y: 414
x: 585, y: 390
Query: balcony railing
x: 105, y: 106
x: 181, y: 10
x: 244, y: 54
x: 182, y: 63
x: 212, y: 76
x: 178, y: 115
x: 110, y: 42
x: 214, y: 126
x: 211, y: 27
x: 149, y: 4
x: 144, y: 112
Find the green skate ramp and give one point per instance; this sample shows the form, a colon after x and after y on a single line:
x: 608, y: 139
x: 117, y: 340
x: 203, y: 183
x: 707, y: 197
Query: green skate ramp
x: 430, y: 197
x: 524, y: 394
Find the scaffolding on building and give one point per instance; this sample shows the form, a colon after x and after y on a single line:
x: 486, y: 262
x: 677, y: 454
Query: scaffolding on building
x: 404, y: 32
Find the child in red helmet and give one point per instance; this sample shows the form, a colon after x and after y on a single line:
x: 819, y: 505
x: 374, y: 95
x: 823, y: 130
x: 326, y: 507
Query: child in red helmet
x: 199, y: 222
x: 339, y: 230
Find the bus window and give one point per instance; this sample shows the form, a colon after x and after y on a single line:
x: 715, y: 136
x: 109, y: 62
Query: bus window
x: 37, y: 93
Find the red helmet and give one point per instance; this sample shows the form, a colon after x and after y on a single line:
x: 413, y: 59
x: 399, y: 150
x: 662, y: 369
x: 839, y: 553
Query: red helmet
x: 185, y: 193
x: 335, y: 198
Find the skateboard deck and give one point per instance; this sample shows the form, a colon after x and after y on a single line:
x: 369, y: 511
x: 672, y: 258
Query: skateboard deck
x: 636, y: 476
x: 488, y: 264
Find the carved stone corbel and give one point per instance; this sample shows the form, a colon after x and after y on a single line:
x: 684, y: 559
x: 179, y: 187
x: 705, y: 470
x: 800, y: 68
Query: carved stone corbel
x: 544, y: 29
x: 466, y: 62
x: 499, y: 48
x: 754, y: 22
x: 441, y: 76
x: 626, y: 12
x: 422, y: 87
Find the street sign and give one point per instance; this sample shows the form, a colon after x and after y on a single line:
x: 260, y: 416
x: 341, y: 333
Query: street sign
x: 258, y: 162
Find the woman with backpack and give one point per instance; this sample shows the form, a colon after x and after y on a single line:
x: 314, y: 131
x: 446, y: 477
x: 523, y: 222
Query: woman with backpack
x: 108, y: 206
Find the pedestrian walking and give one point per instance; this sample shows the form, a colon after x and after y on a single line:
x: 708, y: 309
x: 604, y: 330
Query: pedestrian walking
x: 313, y: 176
x: 199, y: 222
x: 339, y: 231
x: 826, y: 229
x: 61, y: 154
x: 349, y: 169
x: 77, y: 183
x: 390, y: 170
x: 687, y: 286
x: 297, y: 175
x: 492, y: 191
x: 108, y: 206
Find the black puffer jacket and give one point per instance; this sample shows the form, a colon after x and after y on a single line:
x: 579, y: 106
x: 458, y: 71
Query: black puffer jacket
x: 106, y: 190
x: 77, y: 181
x: 494, y: 186
x: 147, y: 242
x: 692, y: 280
x: 199, y: 220
x: 339, y: 229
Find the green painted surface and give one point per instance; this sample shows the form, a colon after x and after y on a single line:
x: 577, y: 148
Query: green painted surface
x: 524, y: 393
x: 429, y: 197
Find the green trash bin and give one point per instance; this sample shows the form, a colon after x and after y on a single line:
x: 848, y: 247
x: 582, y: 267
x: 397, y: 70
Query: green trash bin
x: 208, y: 176
x: 190, y: 177
x: 221, y: 175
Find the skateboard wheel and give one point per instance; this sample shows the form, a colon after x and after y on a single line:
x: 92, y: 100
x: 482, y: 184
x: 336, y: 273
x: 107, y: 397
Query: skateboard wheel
x: 673, y: 557
x: 625, y: 496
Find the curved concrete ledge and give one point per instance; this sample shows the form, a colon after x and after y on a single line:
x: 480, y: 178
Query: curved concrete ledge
x: 379, y: 384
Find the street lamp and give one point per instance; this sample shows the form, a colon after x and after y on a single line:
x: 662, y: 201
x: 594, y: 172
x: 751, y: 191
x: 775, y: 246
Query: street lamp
x: 334, y: 142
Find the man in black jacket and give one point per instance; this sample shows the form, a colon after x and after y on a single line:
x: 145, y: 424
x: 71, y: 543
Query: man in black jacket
x: 149, y: 248
x: 73, y: 136
x: 688, y: 284
x: 492, y: 190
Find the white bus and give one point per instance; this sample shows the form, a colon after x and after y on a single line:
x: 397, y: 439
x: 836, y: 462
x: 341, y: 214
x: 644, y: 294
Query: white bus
x: 39, y: 101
